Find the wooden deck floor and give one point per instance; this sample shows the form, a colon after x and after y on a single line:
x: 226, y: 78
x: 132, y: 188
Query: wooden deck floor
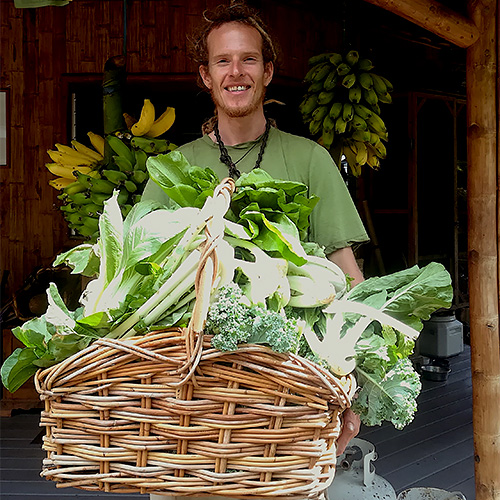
x: 435, y: 450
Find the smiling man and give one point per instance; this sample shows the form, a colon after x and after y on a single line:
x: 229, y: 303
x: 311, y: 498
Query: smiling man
x: 236, y: 59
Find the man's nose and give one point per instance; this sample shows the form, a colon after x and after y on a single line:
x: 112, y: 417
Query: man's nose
x: 236, y: 68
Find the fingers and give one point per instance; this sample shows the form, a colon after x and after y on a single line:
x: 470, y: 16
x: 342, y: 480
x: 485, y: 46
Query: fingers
x: 350, y: 428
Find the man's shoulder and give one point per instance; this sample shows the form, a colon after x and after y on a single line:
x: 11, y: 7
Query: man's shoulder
x: 295, y: 139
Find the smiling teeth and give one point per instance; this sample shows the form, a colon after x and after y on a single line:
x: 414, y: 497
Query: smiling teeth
x: 239, y: 87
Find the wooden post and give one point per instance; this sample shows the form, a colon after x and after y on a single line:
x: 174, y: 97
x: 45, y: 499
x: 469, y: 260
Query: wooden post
x: 434, y: 17
x: 484, y: 231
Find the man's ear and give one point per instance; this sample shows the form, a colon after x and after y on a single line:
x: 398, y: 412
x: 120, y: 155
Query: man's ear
x: 268, y: 73
x: 205, y: 76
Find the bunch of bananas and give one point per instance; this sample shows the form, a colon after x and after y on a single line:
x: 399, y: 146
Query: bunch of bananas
x: 147, y: 125
x: 342, y: 108
x: 87, y: 177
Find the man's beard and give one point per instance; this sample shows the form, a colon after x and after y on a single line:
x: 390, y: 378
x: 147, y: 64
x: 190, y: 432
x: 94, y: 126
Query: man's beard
x: 238, y: 112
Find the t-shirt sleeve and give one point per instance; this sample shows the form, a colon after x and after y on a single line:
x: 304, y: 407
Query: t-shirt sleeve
x: 335, y: 222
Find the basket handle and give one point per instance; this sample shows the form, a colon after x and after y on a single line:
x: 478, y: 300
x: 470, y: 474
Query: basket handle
x: 216, y: 208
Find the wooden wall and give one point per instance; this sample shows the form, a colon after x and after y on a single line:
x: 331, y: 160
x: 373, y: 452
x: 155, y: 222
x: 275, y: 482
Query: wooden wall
x: 40, y: 46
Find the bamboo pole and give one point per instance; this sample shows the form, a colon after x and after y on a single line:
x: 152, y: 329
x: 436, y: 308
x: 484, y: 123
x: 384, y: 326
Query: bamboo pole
x: 434, y: 17
x: 483, y: 246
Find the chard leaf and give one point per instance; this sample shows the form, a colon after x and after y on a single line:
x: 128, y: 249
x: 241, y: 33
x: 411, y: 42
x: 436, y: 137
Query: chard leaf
x: 111, y: 240
x: 412, y: 294
x: 33, y: 333
x: 97, y: 320
x: 57, y: 313
x: 169, y: 170
x: 63, y: 346
x: 18, y: 368
x: 82, y: 259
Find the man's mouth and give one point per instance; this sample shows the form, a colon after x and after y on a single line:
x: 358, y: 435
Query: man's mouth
x: 237, y: 88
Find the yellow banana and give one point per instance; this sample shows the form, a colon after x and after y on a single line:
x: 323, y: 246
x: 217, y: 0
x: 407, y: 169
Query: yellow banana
x: 60, y: 182
x: 68, y: 171
x: 81, y: 148
x: 164, y: 122
x: 67, y: 159
x: 146, y: 119
x: 67, y: 150
x: 97, y: 141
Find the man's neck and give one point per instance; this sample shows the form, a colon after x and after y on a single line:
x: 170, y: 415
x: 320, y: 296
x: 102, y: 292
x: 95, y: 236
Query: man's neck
x: 238, y: 130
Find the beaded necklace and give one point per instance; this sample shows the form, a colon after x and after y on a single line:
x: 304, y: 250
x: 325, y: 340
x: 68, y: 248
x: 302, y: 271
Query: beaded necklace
x: 234, y: 173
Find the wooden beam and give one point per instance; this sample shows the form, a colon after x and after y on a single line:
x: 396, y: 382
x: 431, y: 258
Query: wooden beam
x: 434, y: 17
x: 483, y: 245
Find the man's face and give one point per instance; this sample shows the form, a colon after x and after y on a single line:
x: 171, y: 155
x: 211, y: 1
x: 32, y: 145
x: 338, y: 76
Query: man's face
x: 236, y: 75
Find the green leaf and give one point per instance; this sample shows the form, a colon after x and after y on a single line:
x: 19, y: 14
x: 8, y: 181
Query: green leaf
x: 18, y: 368
x: 82, y: 259
x: 169, y: 170
x: 33, y: 333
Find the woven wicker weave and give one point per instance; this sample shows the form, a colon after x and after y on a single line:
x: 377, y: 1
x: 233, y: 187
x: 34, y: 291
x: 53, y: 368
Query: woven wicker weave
x: 167, y: 413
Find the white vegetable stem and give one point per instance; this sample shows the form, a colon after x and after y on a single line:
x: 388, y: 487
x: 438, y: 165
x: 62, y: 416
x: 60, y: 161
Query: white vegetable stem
x: 339, y: 352
x: 183, y: 275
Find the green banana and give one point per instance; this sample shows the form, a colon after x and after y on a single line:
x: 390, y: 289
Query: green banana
x: 140, y: 159
x: 130, y: 186
x: 125, y: 209
x: 347, y: 111
x: 343, y: 69
x: 378, y: 84
x: 336, y: 59
x: 136, y: 198
x: 331, y: 80
x: 370, y: 96
x: 69, y: 208
x: 355, y: 94
x: 323, y: 71
x: 325, y: 97
x: 139, y: 176
x: 74, y: 187
x: 149, y: 145
x: 308, y: 105
x: 336, y: 109
x: 102, y: 186
x: 90, y: 209
x: 120, y: 148
x: 74, y: 217
x: 362, y: 111
x: 85, y: 230
x: 328, y: 123
x: 361, y: 135
x: 123, y: 197
x: 340, y: 125
x: 320, y: 58
x: 352, y: 57
x: 365, y: 65
x: 376, y: 123
x: 388, y: 84
x: 312, y: 74
x: 358, y: 123
x: 84, y: 179
x: 115, y: 176
x: 385, y: 98
x: 380, y: 148
x: 99, y: 198
x: 315, y: 87
x: 319, y: 113
x: 90, y: 222
x: 81, y: 198
x: 123, y: 164
x: 365, y: 80
x: 349, y: 80
x: 328, y: 137
x: 315, y: 126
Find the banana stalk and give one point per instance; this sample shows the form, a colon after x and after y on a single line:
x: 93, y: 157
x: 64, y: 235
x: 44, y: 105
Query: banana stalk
x: 112, y: 88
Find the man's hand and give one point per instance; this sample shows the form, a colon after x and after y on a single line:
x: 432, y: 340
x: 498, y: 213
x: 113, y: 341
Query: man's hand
x: 350, y: 428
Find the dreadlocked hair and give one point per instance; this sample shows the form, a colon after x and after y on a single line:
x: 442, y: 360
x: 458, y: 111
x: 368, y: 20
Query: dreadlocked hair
x: 236, y: 12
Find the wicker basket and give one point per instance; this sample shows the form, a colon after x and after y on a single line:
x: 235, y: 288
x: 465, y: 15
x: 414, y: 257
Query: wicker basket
x: 167, y: 413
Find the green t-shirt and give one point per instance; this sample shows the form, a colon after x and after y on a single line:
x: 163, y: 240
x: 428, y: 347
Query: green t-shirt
x: 335, y: 222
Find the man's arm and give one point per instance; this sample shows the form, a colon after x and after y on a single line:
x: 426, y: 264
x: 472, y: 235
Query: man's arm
x: 344, y: 258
